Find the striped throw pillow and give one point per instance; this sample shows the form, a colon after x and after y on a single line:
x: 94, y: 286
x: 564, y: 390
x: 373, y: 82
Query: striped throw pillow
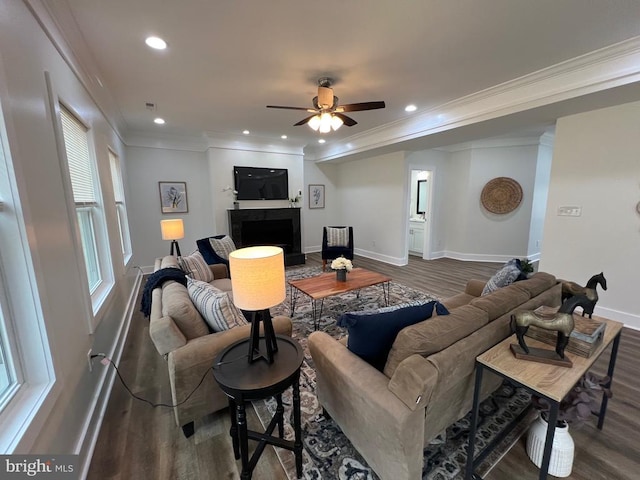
x: 337, y: 237
x: 215, y: 306
x: 223, y: 246
x: 195, y: 267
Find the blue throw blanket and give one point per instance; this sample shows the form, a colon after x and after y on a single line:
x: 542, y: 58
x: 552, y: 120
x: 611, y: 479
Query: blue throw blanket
x: 156, y: 279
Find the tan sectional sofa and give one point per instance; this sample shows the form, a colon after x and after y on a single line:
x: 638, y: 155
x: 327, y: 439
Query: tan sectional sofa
x: 428, y: 379
x: 181, y: 335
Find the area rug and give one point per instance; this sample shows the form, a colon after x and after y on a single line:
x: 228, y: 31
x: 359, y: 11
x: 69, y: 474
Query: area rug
x: 327, y: 452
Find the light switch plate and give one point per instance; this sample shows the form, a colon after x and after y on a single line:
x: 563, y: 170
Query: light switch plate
x: 569, y: 211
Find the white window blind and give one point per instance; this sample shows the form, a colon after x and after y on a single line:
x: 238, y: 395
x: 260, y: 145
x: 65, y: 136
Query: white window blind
x: 77, y: 147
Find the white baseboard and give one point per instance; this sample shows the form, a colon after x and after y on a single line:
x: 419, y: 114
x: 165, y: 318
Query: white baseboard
x: 629, y: 319
x: 91, y: 430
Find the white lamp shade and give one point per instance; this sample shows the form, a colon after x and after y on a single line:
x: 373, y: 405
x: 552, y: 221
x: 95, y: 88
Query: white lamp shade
x: 172, y: 229
x: 257, y: 277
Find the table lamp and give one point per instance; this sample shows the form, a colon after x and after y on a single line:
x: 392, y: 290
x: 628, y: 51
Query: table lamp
x: 258, y: 283
x: 173, y: 230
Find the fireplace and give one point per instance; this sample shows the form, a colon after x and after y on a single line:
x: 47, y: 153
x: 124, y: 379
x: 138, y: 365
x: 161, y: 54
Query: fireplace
x: 268, y: 226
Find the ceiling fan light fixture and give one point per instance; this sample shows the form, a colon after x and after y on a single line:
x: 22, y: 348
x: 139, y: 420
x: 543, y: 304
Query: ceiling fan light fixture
x: 325, y: 123
x: 314, y: 122
x: 336, y: 122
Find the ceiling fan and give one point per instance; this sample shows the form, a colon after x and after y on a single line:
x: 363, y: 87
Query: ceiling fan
x: 327, y: 114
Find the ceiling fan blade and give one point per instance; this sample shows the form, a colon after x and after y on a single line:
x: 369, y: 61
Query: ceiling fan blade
x: 291, y: 108
x: 303, y: 121
x: 357, y: 107
x: 348, y: 121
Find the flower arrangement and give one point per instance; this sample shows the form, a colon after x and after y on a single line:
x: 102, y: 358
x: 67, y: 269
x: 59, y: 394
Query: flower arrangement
x: 341, y: 263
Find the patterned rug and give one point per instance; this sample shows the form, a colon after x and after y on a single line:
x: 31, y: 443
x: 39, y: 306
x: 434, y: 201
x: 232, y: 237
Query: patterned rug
x: 327, y: 453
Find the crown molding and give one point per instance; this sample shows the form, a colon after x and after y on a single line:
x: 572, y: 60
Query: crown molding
x: 493, y: 143
x: 603, y: 69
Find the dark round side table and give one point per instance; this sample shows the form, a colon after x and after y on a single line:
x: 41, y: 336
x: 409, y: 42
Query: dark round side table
x: 243, y: 381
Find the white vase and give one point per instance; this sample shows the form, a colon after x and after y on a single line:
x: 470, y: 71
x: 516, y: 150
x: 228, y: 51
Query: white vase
x: 562, y: 450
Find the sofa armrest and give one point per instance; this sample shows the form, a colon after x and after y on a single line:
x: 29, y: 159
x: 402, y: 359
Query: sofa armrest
x: 340, y: 368
x: 413, y: 381
x: 203, y: 350
x: 475, y: 287
x: 166, y: 335
x: 388, y: 434
x: 219, y: 270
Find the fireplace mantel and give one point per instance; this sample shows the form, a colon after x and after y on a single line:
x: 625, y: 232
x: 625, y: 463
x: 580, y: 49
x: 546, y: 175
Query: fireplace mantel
x: 268, y: 226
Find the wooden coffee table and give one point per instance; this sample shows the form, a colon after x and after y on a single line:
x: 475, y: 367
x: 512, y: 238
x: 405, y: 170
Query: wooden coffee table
x: 326, y: 285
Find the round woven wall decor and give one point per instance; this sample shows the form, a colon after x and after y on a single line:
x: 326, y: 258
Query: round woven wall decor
x: 501, y: 195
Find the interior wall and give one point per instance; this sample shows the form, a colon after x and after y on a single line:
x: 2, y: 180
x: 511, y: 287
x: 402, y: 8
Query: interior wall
x: 474, y: 233
x: 314, y: 219
x: 26, y: 53
x: 372, y: 197
x: 148, y: 166
x: 540, y: 194
x: 596, y: 167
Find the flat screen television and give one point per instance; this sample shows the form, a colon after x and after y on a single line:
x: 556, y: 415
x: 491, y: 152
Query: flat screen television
x: 254, y: 183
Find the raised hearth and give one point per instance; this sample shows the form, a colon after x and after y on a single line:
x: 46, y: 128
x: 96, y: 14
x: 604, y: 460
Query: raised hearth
x: 268, y: 226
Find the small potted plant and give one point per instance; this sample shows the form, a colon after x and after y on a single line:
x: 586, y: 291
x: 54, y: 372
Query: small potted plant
x: 341, y: 265
x: 236, y: 204
x: 579, y: 404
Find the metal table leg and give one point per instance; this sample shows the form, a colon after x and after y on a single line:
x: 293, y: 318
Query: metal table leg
x: 612, y: 366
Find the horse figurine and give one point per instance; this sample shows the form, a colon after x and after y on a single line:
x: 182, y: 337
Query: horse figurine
x: 570, y: 289
x: 563, y: 323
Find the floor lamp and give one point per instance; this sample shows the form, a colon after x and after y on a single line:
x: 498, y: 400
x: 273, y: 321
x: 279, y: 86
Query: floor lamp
x: 258, y: 283
x: 173, y: 230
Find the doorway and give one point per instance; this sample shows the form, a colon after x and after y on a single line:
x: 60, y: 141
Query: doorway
x: 419, y: 232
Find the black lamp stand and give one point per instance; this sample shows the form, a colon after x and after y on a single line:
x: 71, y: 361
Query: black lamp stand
x: 255, y: 353
x: 174, y: 243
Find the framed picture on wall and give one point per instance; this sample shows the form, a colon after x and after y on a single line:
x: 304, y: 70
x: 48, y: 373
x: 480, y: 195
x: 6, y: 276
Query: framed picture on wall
x: 173, y: 197
x: 316, y: 196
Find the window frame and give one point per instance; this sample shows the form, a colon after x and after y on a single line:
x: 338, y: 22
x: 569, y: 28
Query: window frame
x: 98, y: 295
x: 120, y: 205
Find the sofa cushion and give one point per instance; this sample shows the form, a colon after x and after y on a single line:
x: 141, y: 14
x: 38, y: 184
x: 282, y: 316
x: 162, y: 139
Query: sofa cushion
x: 177, y: 305
x: 371, y: 333
x: 337, y: 237
x: 223, y: 284
x: 222, y: 246
x: 501, y: 301
x: 537, y: 283
x: 215, y: 306
x: 426, y: 338
x: 195, y: 267
x: 503, y: 277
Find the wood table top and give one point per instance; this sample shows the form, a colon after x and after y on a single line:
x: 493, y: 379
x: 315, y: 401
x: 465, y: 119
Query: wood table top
x: 326, y: 284
x: 549, y: 380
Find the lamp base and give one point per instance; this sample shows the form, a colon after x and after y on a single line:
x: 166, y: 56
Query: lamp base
x: 174, y: 243
x: 271, y: 345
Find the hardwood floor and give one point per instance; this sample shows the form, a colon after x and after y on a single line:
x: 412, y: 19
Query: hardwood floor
x: 140, y: 442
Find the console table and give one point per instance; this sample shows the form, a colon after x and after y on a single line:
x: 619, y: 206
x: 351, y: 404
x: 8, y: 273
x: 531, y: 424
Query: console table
x: 547, y: 381
x: 242, y: 381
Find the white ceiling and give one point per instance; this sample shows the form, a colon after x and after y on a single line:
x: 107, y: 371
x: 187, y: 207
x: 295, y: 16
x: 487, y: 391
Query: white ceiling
x: 227, y: 60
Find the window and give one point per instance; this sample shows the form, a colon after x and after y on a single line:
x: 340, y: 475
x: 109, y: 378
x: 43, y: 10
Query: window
x: 90, y: 214
x: 121, y: 209
x: 26, y: 370
x: 7, y: 370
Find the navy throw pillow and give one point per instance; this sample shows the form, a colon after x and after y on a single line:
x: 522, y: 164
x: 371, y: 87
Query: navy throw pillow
x: 209, y: 255
x: 371, y: 334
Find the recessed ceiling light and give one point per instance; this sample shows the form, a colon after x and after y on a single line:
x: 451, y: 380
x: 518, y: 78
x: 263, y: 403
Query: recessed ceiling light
x: 284, y: 137
x: 159, y: 121
x: 410, y: 108
x: 322, y: 140
x: 156, y: 42
x: 246, y: 132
